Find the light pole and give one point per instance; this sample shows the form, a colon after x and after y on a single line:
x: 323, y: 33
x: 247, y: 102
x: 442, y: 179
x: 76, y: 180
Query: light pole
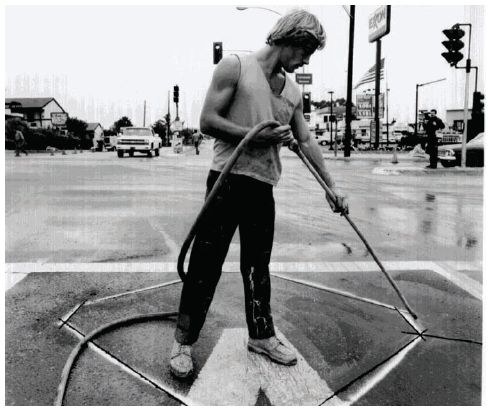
x: 348, y: 133
x: 330, y: 118
x: 417, y: 86
x: 387, y: 119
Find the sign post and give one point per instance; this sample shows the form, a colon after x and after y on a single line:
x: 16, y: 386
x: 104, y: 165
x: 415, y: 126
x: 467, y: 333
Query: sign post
x: 379, y: 26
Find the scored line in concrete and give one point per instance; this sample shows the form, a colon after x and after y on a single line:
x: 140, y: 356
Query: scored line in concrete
x: 446, y: 269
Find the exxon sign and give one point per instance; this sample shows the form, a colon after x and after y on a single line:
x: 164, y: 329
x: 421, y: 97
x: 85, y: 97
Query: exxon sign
x: 379, y: 23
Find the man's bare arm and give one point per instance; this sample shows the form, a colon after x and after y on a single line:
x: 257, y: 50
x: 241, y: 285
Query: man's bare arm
x: 217, y: 101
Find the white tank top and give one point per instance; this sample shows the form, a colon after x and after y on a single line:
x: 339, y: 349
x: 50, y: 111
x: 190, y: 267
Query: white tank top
x: 254, y: 102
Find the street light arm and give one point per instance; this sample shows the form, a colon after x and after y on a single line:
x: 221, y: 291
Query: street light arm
x: 241, y: 8
x: 430, y: 82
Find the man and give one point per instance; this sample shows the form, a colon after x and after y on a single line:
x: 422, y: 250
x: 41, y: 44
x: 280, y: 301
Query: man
x: 431, y: 124
x: 197, y: 138
x: 244, y: 92
x: 19, y: 143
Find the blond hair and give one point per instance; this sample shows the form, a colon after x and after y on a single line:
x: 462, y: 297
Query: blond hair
x: 298, y: 28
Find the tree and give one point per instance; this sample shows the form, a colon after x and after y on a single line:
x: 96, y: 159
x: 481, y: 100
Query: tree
x: 121, y: 122
x: 76, y: 126
x: 160, y: 128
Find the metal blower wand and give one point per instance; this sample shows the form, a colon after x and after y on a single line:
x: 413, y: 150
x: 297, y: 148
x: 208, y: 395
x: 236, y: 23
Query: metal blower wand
x: 295, y: 148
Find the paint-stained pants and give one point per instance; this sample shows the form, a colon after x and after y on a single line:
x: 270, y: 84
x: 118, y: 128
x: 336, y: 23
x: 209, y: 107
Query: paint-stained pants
x: 249, y: 204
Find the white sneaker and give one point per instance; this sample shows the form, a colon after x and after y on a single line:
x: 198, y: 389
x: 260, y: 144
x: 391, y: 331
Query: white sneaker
x: 274, y: 349
x: 181, y: 363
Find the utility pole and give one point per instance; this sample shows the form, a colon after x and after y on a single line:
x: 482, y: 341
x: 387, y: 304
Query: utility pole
x: 168, y: 119
x: 348, y: 136
x: 144, y: 119
x: 330, y: 118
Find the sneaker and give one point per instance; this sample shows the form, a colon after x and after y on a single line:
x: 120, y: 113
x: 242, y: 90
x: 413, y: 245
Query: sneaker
x: 181, y: 363
x: 274, y: 349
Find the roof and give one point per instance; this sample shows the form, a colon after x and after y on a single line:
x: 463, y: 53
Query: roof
x: 30, y: 102
x: 92, y: 126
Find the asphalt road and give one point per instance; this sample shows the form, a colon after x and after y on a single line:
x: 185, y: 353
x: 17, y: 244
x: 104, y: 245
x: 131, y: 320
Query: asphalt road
x: 96, y: 227
x: 95, y: 207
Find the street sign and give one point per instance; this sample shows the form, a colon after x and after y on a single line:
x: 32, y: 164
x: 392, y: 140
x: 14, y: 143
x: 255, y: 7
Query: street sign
x: 303, y: 78
x: 178, y: 126
x: 59, y: 118
x: 365, y: 105
x: 379, y: 23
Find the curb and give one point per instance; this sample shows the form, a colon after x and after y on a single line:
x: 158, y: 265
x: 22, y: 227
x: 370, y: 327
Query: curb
x: 416, y: 171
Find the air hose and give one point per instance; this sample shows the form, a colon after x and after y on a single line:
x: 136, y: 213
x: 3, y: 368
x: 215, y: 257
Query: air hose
x: 96, y: 333
x: 186, y: 245
x: 220, y: 180
x: 181, y: 260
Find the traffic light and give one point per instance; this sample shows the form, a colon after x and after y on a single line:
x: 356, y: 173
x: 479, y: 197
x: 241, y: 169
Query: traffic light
x: 176, y: 94
x: 306, y: 102
x: 217, y: 52
x: 453, y: 45
x: 478, y: 104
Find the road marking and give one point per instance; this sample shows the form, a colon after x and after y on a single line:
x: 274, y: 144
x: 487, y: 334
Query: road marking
x: 363, y: 386
x: 121, y: 365
x: 445, y: 269
x: 234, y: 376
x: 12, y: 279
x: 461, y: 280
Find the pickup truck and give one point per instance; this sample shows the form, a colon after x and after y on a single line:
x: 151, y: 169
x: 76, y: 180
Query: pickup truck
x: 138, y: 139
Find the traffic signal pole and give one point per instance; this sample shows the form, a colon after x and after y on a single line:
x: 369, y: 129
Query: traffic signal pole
x: 453, y: 56
x: 466, y: 100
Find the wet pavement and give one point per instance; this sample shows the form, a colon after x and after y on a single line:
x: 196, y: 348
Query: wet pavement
x: 89, y: 226
x: 350, y: 351
x: 141, y: 209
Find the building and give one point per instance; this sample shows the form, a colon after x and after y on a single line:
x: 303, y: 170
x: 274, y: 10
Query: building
x: 37, y: 112
x: 94, y: 131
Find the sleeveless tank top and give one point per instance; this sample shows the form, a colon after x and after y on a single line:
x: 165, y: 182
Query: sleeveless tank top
x: 254, y: 102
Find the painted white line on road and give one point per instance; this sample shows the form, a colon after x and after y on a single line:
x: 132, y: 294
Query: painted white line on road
x: 12, y: 279
x: 131, y: 292
x: 151, y: 382
x: 463, y: 281
x: 234, y: 376
x: 364, y: 385
x: 335, y: 291
x: 442, y: 268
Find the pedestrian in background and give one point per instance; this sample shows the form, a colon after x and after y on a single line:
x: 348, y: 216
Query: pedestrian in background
x: 197, y: 139
x: 245, y: 91
x: 432, y: 123
x: 19, y: 143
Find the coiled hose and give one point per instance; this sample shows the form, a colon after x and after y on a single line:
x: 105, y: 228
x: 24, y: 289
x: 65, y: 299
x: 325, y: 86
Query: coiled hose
x: 181, y: 260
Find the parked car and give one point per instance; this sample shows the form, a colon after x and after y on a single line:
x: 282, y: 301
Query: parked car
x: 450, y: 155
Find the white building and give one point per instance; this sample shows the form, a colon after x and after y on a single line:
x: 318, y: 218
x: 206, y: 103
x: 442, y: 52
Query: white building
x: 36, y: 111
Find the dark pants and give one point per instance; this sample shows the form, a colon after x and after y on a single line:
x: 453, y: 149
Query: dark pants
x: 433, y: 151
x: 19, y: 149
x: 249, y: 204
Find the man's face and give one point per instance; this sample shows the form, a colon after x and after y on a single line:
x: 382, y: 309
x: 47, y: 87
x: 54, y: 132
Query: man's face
x: 294, y: 57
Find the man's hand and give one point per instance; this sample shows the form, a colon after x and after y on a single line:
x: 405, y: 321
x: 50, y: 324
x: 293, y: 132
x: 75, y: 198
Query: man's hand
x: 342, y: 205
x: 273, y: 135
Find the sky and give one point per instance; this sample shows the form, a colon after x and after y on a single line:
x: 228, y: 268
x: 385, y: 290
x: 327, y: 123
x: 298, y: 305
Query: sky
x: 102, y: 62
